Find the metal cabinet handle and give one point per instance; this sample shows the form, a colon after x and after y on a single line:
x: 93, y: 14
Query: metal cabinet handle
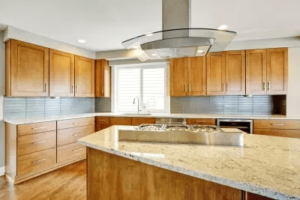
x: 190, y: 87
x: 75, y: 135
x: 38, y: 161
x: 277, y: 124
x: 264, y: 86
x: 72, y: 88
x: 77, y: 149
x: 38, y: 127
x: 40, y: 142
x: 269, y: 86
x: 45, y: 87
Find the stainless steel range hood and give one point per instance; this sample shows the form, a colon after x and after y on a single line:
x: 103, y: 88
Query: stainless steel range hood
x: 177, y: 39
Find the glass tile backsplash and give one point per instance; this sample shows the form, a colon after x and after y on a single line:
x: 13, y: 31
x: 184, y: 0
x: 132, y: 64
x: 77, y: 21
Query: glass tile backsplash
x: 19, y: 108
x: 230, y: 105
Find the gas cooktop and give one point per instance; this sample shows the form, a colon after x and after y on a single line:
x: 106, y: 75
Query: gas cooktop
x: 178, y: 128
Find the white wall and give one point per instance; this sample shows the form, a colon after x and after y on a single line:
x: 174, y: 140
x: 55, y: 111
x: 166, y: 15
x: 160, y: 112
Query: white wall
x: 2, y: 79
x: 293, y: 97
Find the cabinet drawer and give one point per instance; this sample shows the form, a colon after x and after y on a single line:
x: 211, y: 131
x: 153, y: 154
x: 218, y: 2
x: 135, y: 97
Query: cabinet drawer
x: 278, y: 132
x: 75, y: 122
x: 201, y: 121
x: 36, y: 142
x: 36, y: 162
x: 120, y: 121
x: 102, y: 120
x: 139, y: 120
x: 27, y: 129
x: 70, y: 152
x: 71, y: 135
x: 277, y: 124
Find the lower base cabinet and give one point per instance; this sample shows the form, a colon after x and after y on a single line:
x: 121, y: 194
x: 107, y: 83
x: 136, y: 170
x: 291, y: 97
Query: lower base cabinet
x: 70, y: 152
x: 35, y: 149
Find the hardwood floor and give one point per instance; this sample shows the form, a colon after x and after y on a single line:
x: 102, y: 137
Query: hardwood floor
x: 67, y: 183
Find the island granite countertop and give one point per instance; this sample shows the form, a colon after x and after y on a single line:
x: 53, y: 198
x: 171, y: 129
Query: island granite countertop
x: 268, y: 166
x: 30, y: 120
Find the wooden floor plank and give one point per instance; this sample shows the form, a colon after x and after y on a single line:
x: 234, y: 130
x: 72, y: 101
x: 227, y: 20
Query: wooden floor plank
x: 67, y: 183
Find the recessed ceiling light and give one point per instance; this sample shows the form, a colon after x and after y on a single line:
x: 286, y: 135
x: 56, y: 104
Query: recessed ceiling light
x: 223, y: 27
x: 81, y: 41
x: 200, y: 51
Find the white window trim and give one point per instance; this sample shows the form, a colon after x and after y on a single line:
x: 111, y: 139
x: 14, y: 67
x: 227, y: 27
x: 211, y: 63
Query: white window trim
x: 114, y: 84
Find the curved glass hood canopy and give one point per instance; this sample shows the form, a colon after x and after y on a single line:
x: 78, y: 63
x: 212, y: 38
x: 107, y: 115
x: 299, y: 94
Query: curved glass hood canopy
x: 177, y: 39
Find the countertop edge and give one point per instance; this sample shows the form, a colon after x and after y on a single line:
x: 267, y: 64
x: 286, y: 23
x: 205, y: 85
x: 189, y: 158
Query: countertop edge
x: 267, y: 192
x: 190, y: 116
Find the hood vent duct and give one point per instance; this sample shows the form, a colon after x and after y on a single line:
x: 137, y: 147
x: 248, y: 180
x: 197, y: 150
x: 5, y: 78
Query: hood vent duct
x: 177, y: 39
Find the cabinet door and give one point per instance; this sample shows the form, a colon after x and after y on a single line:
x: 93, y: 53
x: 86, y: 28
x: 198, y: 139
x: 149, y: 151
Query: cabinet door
x: 84, y: 77
x: 61, y: 74
x: 28, y: 69
x: 256, y: 72
x: 278, y: 132
x: 196, y: 76
x: 103, y: 73
x: 277, y: 71
x: 120, y: 121
x: 216, y: 63
x: 235, y: 72
x: 178, y: 73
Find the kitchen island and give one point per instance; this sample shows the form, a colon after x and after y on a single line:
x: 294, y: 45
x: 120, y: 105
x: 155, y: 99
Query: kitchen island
x: 117, y: 169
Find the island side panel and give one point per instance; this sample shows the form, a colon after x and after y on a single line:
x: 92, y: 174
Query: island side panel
x: 114, y: 177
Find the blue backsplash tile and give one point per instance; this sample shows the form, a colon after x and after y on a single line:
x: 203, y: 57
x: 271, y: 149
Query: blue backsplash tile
x: 19, y: 108
x: 229, y: 105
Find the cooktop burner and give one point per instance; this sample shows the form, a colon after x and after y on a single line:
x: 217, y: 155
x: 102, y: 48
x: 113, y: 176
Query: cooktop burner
x: 178, y: 127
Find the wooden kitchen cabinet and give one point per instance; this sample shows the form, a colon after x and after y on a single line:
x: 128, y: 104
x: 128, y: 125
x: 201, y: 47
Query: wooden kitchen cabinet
x: 27, y: 69
x: 103, y: 78
x: 61, y: 74
x: 136, y: 121
x: 251, y: 196
x: 235, y: 73
x: 267, y: 71
x: 120, y: 121
x: 277, y: 127
x: 277, y: 71
x: 201, y: 121
x: 188, y: 76
x: 178, y: 76
x: 102, y: 123
x: 84, y: 77
x: 256, y: 72
x: 216, y: 66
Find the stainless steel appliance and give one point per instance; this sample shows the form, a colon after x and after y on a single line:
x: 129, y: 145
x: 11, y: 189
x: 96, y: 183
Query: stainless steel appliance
x: 245, y: 125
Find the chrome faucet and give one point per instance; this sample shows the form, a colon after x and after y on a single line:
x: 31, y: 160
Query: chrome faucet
x: 138, y: 107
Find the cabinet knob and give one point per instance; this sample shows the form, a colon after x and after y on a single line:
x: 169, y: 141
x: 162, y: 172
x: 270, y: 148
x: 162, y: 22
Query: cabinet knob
x: 269, y: 86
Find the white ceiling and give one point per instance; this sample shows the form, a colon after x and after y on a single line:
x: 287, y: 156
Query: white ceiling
x: 104, y: 24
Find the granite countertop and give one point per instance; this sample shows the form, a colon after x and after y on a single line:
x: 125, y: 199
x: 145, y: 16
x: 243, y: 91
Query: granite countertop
x: 214, y: 116
x: 268, y: 166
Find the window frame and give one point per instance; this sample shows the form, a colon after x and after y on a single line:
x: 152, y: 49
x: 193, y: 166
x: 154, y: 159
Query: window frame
x: 115, y: 95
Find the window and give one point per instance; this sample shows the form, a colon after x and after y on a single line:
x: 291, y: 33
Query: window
x: 147, y: 82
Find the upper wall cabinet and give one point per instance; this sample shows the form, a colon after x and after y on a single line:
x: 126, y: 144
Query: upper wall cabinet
x: 27, y: 68
x: 102, y: 82
x: 84, y: 77
x: 277, y: 71
x: 267, y: 71
x: 216, y: 66
x: 61, y: 74
x: 226, y: 73
x: 235, y: 73
x: 188, y: 76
